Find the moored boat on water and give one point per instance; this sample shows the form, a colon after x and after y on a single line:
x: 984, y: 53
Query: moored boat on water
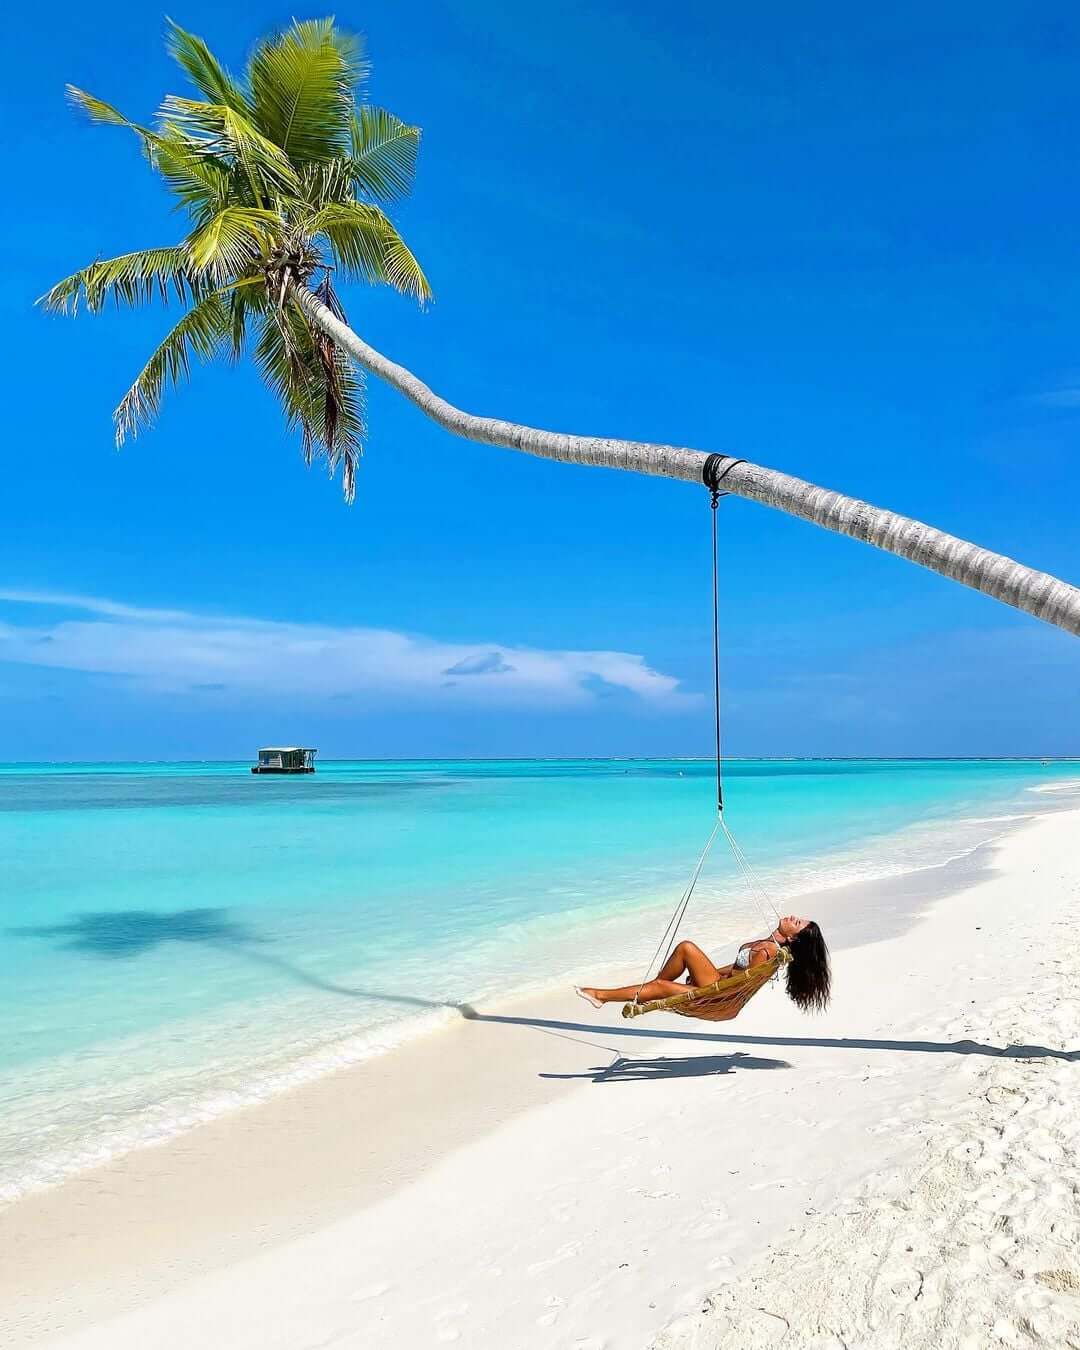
x: 285, y: 759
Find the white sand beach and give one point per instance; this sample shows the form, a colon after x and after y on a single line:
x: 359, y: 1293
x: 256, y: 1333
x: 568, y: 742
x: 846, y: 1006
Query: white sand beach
x: 904, y: 1170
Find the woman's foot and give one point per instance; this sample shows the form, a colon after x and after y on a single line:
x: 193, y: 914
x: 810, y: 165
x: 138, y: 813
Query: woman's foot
x: 589, y: 995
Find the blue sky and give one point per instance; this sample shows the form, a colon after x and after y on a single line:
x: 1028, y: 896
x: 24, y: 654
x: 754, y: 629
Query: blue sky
x: 838, y: 241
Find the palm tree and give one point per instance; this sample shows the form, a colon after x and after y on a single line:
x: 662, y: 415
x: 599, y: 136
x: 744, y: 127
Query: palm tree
x: 283, y: 175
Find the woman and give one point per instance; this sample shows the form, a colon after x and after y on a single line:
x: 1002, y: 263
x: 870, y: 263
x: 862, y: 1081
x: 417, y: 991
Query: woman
x: 808, y: 976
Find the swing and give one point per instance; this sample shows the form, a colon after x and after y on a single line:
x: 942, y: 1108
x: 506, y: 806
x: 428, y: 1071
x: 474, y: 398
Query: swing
x: 718, y: 1002
x: 726, y: 998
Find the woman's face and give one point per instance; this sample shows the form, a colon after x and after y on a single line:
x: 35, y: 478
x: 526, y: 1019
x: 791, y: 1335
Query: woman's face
x: 791, y: 926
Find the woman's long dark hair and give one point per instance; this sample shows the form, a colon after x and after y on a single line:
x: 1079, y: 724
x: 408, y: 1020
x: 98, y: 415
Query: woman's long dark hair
x: 809, y: 981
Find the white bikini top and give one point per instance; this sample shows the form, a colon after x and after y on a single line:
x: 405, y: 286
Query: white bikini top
x: 742, y: 960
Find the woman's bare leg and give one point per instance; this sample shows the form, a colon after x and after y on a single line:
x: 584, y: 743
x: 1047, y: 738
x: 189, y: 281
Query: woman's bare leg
x: 688, y: 959
x: 653, y: 989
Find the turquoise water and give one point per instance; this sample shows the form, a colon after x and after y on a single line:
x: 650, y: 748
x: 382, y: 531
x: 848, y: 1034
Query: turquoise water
x: 178, y: 939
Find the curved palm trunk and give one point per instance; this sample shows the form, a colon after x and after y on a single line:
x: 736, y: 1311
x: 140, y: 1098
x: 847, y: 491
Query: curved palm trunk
x: 1012, y: 583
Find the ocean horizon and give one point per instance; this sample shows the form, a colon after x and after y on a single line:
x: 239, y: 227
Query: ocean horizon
x: 184, y: 938
x: 15, y: 765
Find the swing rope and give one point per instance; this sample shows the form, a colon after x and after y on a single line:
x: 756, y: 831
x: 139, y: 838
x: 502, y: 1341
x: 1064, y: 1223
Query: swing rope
x: 666, y: 945
x: 712, y: 475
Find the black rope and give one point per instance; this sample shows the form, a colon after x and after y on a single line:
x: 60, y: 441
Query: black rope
x: 716, y: 652
x: 713, y: 472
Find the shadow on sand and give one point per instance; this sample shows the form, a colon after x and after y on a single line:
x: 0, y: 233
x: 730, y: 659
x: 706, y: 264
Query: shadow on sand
x: 824, y: 1042
x: 622, y: 1070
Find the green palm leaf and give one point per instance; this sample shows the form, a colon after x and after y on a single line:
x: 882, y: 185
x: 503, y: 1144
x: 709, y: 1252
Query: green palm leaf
x: 202, y: 183
x: 131, y: 279
x: 229, y: 135
x: 200, y: 333
x: 403, y: 272
x: 384, y: 151
x: 364, y: 243
x: 232, y: 241
x: 97, y: 110
x: 322, y: 184
x: 321, y: 393
x: 244, y: 299
x: 204, y: 70
x: 301, y: 87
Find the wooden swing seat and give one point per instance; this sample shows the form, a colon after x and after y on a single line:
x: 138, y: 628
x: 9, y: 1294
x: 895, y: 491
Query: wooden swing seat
x: 719, y: 1002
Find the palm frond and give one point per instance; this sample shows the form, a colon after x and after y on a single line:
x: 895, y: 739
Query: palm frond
x: 202, y: 183
x: 321, y: 393
x: 199, y: 333
x: 384, y: 151
x: 97, y: 110
x: 356, y: 236
x: 131, y: 279
x: 327, y: 182
x: 301, y: 88
x: 403, y: 272
x: 187, y: 165
x: 351, y: 427
x: 204, y: 70
x: 232, y: 241
x: 228, y: 134
x: 243, y: 301
x: 364, y: 243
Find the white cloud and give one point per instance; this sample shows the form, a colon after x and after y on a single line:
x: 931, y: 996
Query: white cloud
x: 170, y: 650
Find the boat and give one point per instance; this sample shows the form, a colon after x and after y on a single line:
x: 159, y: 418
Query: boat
x: 285, y: 759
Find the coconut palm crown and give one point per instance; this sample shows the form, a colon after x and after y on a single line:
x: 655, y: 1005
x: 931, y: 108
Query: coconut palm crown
x: 281, y: 175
